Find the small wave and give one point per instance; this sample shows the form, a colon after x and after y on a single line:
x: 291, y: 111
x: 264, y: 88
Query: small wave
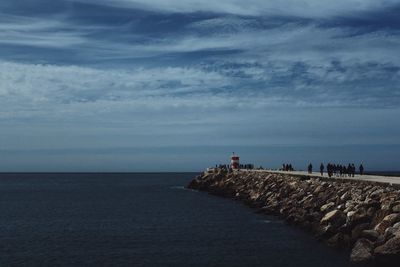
x: 180, y: 187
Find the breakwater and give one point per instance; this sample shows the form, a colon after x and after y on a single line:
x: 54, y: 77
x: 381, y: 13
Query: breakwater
x: 361, y: 217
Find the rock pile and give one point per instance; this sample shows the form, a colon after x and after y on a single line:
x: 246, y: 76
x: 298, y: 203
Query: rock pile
x: 360, y: 216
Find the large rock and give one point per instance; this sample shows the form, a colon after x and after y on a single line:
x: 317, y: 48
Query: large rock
x: 396, y: 208
x: 371, y: 235
x: 358, y: 216
x: 335, y: 218
x: 327, y: 207
x: 388, y: 221
x: 357, y: 231
x: 362, y: 251
x: 339, y: 240
x: 389, y: 253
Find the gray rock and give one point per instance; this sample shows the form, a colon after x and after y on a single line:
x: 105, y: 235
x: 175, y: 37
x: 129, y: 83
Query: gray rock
x: 371, y: 235
x: 335, y: 217
x: 362, y: 251
x: 327, y: 207
x: 396, y: 208
x: 357, y: 231
x: 389, y: 253
x: 388, y: 221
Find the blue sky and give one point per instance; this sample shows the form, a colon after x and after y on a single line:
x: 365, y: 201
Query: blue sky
x: 157, y: 85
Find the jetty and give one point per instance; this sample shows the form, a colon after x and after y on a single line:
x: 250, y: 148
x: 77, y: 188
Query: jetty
x: 391, y: 180
x: 360, y: 214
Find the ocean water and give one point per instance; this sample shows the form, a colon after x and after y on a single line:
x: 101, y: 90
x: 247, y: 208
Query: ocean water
x: 141, y: 220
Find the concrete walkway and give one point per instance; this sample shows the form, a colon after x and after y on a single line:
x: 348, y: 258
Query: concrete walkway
x: 392, y: 180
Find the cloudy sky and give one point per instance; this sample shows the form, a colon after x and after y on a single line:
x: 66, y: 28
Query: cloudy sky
x: 164, y: 85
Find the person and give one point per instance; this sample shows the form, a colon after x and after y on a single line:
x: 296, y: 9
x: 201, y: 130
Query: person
x: 353, y: 169
x: 349, y: 169
x: 321, y: 169
x: 310, y: 168
x: 329, y: 169
x: 361, y: 169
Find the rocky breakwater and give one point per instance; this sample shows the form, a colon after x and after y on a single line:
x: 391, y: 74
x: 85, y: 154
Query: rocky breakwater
x: 361, y: 217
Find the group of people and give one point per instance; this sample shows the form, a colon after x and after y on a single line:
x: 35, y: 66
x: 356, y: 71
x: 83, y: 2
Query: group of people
x: 287, y: 167
x: 338, y: 170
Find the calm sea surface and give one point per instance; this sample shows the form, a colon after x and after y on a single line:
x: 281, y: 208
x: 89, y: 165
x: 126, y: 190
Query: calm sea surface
x: 141, y: 220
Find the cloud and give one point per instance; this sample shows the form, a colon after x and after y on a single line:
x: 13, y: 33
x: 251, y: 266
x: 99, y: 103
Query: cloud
x: 304, y: 8
x: 114, y: 74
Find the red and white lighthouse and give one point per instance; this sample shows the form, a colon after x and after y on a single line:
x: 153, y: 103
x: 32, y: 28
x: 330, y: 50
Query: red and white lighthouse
x: 234, y: 161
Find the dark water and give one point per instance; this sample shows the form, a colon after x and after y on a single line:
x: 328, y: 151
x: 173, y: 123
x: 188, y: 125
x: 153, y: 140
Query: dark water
x: 141, y: 220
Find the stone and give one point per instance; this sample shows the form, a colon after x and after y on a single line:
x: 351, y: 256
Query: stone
x: 389, y: 253
x: 392, y: 231
x: 335, y: 218
x: 362, y: 251
x: 357, y: 231
x: 371, y: 235
x: 327, y: 207
x: 396, y: 208
x: 371, y: 211
x: 346, y: 196
x: 377, y: 193
x: 388, y: 221
x: 318, y: 189
x: 358, y: 216
x: 339, y: 240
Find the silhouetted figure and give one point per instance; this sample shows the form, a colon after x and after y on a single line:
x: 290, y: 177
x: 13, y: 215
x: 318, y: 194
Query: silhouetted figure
x: 349, y: 170
x: 321, y: 169
x: 361, y: 169
x: 310, y: 168
x: 353, y: 170
x: 329, y: 169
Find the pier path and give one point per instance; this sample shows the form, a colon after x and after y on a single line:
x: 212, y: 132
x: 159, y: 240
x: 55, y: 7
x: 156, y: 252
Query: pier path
x: 392, y: 180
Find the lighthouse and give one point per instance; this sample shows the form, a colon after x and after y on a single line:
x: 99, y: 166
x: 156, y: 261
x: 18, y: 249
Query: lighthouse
x: 234, y: 161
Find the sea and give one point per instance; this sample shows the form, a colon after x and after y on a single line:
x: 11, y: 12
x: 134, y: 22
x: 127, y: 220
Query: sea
x: 142, y: 219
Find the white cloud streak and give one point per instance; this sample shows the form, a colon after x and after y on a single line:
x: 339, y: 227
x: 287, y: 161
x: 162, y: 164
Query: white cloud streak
x: 302, y: 8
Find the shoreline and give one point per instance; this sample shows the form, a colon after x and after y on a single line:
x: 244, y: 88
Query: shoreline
x: 358, y: 215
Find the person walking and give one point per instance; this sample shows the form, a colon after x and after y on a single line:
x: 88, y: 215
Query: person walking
x: 361, y: 169
x: 321, y: 169
x: 310, y: 168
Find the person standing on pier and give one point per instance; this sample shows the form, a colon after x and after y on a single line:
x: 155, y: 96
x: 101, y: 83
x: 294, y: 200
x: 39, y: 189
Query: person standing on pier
x: 361, y: 169
x: 321, y: 169
x: 310, y: 168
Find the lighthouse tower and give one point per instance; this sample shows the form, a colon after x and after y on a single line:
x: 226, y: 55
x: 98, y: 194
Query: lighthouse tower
x: 234, y: 161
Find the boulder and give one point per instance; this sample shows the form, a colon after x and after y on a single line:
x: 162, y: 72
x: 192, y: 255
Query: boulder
x: 327, y: 207
x: 346, y: 196
x: 318, y: 189
x: 392, y: 231
x: 335, y: 218
x: 357, y: 231
x: 389, y: 253
x: 339, y: 240
x: 388, y: 221
x: 379, y: 215
x: 358, y: 216
x: 371, y: 235
x: 396, y: 208
x: 362, y: 251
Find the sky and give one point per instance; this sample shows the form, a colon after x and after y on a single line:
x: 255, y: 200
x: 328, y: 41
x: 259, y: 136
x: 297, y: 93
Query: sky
x: 173, y: 85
